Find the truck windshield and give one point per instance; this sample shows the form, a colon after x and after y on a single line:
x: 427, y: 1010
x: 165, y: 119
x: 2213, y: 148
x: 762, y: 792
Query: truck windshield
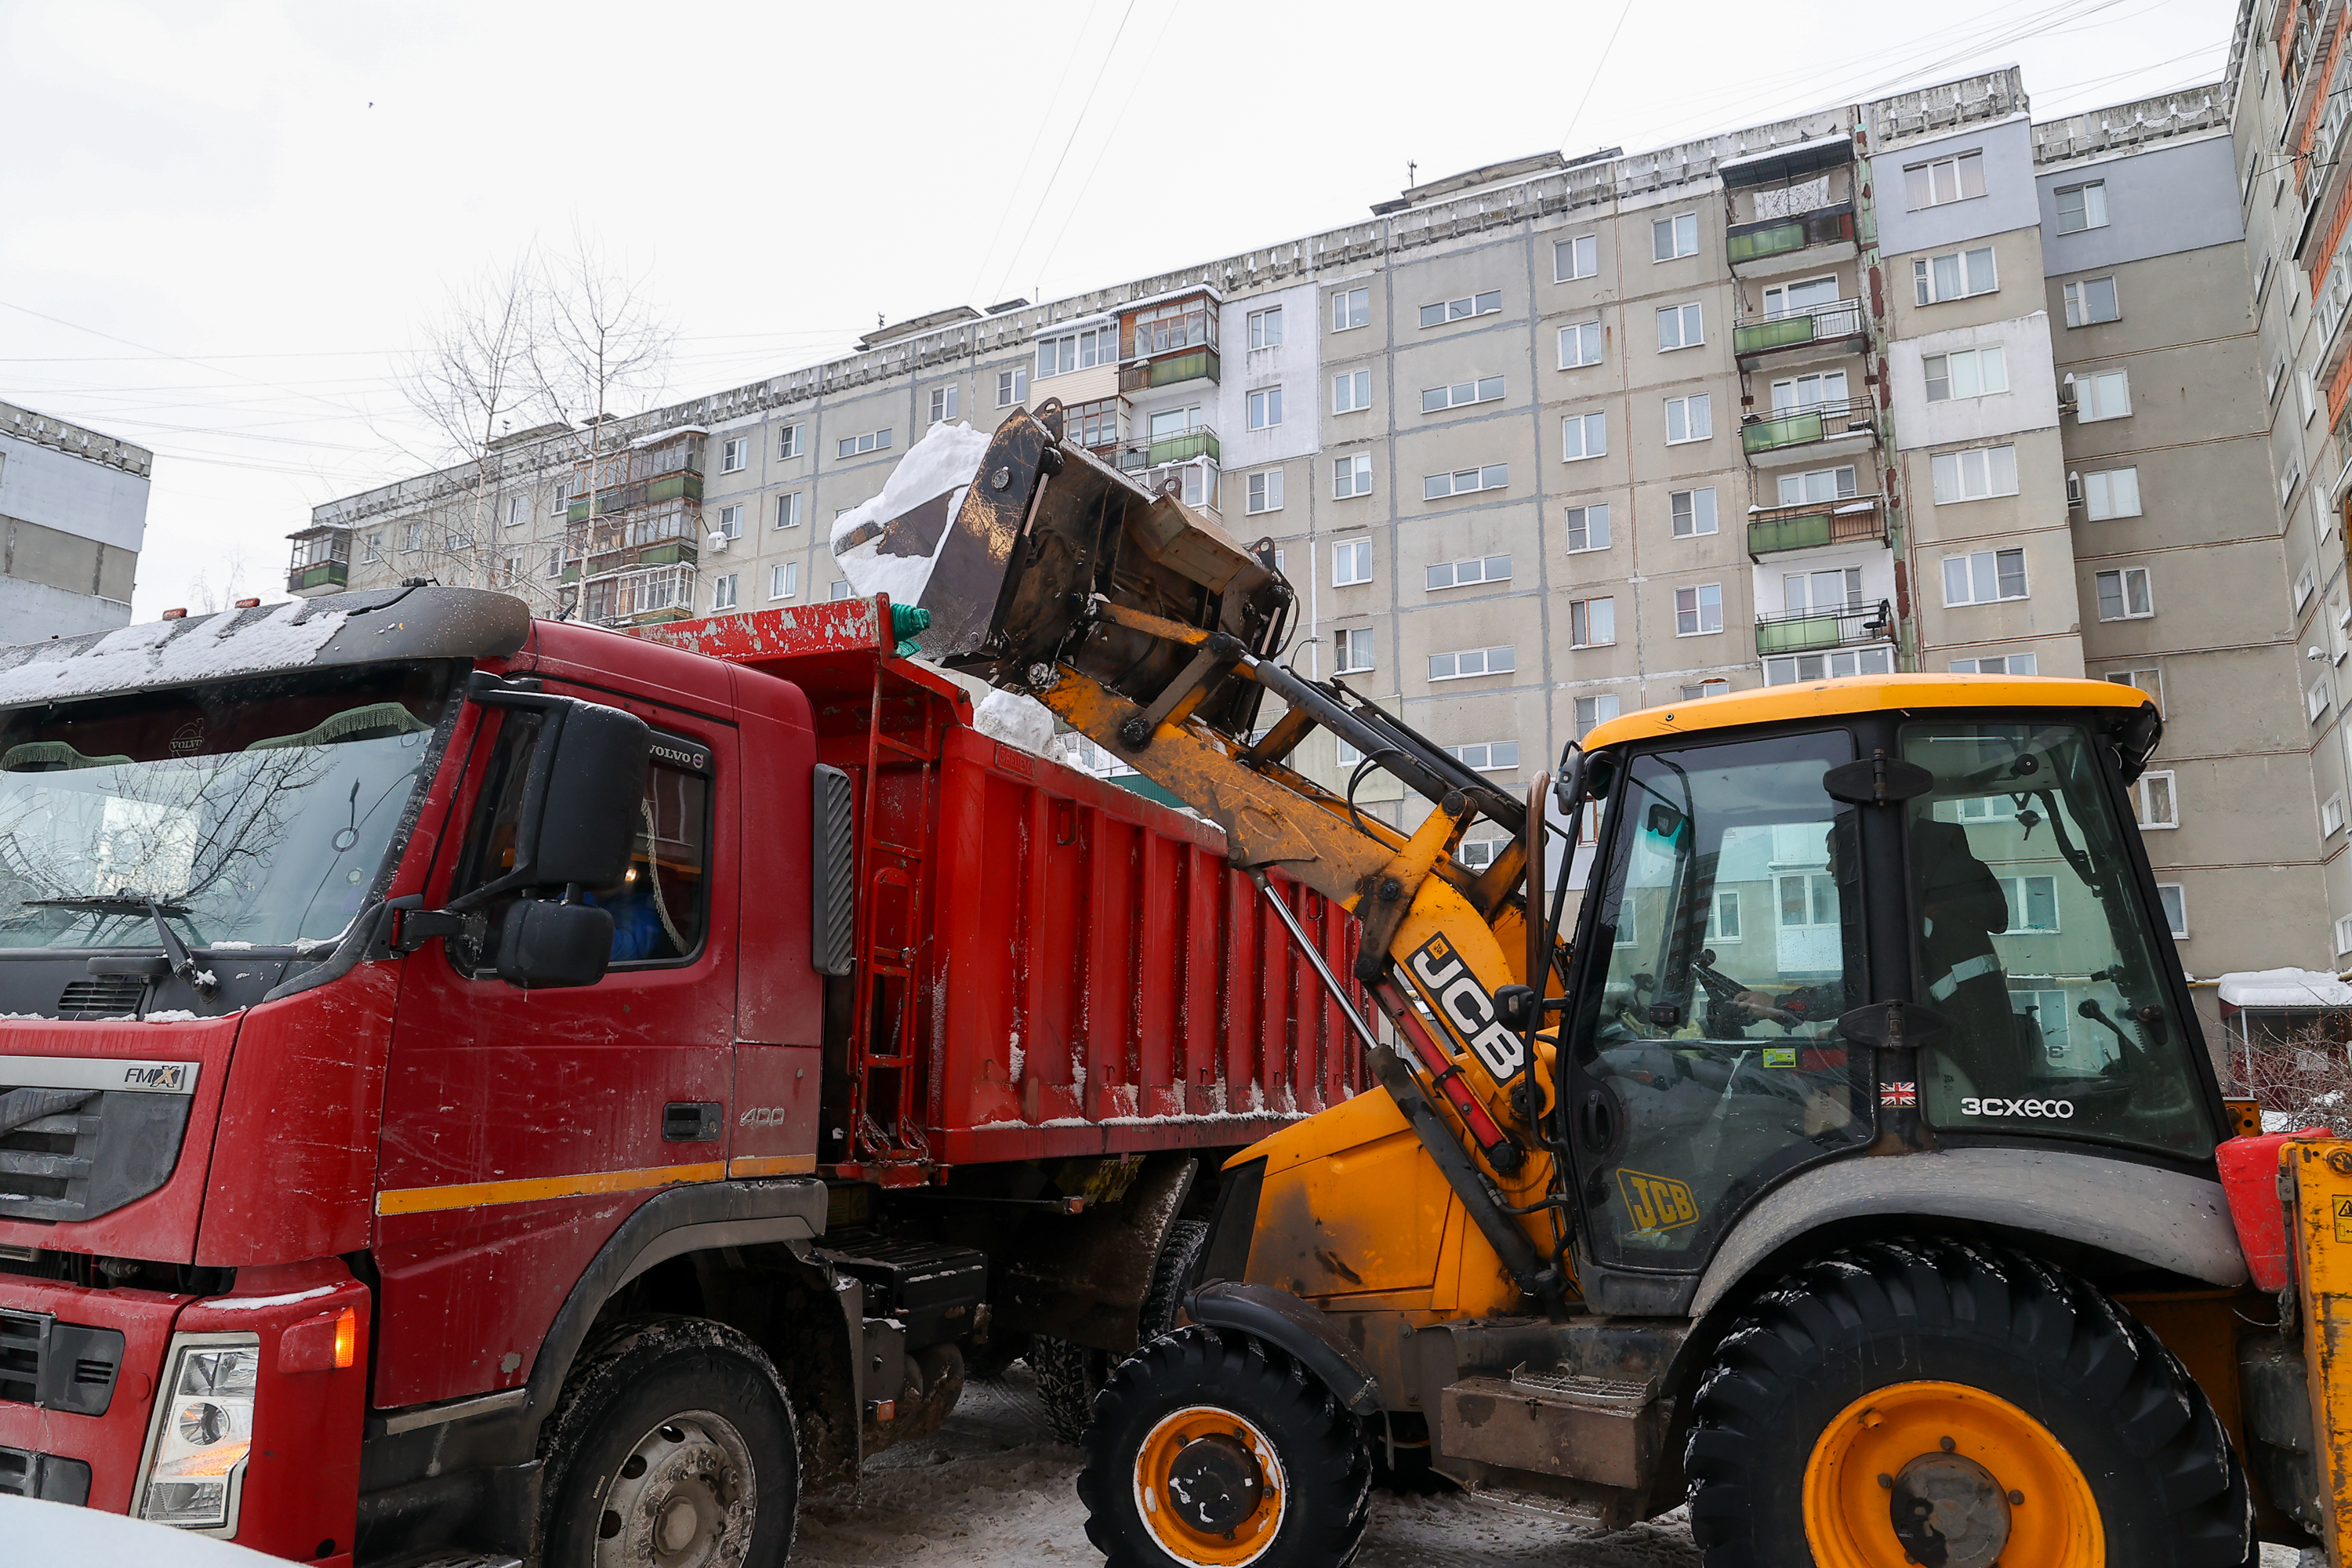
x: 256, y: 813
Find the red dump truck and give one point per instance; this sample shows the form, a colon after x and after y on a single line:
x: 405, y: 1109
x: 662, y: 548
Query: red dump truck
x: 485, y: 1086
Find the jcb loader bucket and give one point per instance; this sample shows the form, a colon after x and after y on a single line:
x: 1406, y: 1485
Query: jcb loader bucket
x: 1054, y: 556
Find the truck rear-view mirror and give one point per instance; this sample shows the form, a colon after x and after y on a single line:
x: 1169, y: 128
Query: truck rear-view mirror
x: 593, y: 791
x: 543, y: 944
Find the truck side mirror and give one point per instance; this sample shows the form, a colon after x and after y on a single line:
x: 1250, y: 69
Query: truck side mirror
x: 590, y: 802
x: 543, y: 944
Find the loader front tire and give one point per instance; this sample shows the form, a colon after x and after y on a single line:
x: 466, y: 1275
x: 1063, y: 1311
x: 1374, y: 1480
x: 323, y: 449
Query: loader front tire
x: 1210, y: 1447
x: 1934, y: 1402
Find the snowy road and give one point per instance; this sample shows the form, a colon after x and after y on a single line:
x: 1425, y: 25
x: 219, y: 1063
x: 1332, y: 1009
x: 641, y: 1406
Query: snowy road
x: 994, y: 1490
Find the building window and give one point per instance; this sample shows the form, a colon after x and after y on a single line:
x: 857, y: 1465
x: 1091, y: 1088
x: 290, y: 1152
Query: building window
x: 730, y: 521
x: 1351, y: 650
x: 1723, y: 917
x: 1953, y: 275
x: 2148, y: 681
x: 2176, y: 908
x: 1578, y: 258
x: 1351, y: 309
x: 1351, y: 562
x: 872, y: 441
x: 1583, y: 436
x: 1351, y: 391
x: 1346, y: 755
x: 412, y: 536
x: 514, y: 511
x: 2331, y: 815
x: 788, y: 509
x: 1673, y: 237
x: 1593, y: 711
x: 1997, y: 664
x: 1470, y: 662
x: 1486, y: 389
x: 1458, y: 573
x: 788, y: 441
x: 2082, y: 207
x: 1012, y: 386
x: 722, y: 592
x: 1818, y: 485
x: 2091, y: 301
x: 785, y: 580
x: 1487, y: 304
x: 2033, y: 904
x: 372, y: 546
x: 555, y: 563
x: 1265, y: 328
x: 943, y: 405
x: 1984, y: 576
x: 1266, y: 408
x: 1831, y: 588
x: 1954, y: 179
x: 1974, y: 474
x: 2316, y: 700
x: 1465, y: 481
x: 840, y: 590
x: 2113, y: 492
x: 2152, y: 801
x: 2123, y: 594
x: 1076, y: 351
x: 1592, y: 623
x: 1351, y: 476
x: 1965, y: 373
x: 1477, y: 854
x: 1835, y: 664
x: 1580, y: 345
x: 510, y: 575
x: 1265, y: 492
x: 2106, y: 395
x: 1681, y: 327
x: 1689, y: 418
x: 1487, y: 756
x: 733, y: 453
x: 562, y: 497
x: 1698, y: 611
x: 1586, y: 526
x: 1694, y: 512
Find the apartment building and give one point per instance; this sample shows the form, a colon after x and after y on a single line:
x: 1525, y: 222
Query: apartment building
x: 1880, y: 387
x: 73, y: 515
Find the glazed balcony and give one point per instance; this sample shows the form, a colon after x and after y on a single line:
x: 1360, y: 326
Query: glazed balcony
x: 322, y: 563
x: 615, y: 540
x: 1808, y: 631
x: 1784, y: 244
x: 679, y: 484
x: 1170, y: 369
x: 1829, y: 426
x: 1200, y: 441
x: 1836, y: 327
x: 1852, y: 520
x: 641, y: 597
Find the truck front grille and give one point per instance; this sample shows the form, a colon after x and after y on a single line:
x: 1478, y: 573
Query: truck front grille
x: 58, y: 1366
x: 87, y: 1158
x: 23, y: 1336
x: 50, y: 1477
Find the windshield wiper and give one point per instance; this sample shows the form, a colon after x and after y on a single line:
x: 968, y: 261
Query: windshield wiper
x: 176, y: 951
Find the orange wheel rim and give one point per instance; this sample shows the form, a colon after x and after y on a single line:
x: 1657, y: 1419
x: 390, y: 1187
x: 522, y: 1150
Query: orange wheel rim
x: 1990, y: 1482
x: 1209, y: 1486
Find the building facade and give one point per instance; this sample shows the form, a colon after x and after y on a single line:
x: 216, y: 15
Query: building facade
x: 73, y: 515
x: 1552, y: 440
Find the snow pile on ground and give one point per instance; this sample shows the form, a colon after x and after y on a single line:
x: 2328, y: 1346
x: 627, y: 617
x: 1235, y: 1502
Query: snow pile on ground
x: 942, y: 462
x: 1016, y: 718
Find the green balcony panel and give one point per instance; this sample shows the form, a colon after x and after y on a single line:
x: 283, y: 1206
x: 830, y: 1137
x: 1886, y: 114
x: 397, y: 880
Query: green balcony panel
x: 1786, y: 430
x: 1783, y: 331
x: 1777, y: 240
x: 318, y: 574
x: 1183, y: 448
x: 1801, y: 636
x: 1789, y: 534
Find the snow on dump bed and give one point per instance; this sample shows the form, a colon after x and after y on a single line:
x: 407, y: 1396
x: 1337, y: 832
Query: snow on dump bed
x: 171, y: 652
x: 1016, y: 718
x: 944, y: 460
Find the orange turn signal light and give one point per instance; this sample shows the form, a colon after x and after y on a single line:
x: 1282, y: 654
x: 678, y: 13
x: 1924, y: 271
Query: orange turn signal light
x: 347, y: 1338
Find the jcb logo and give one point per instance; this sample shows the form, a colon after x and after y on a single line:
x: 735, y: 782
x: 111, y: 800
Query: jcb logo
x: 1457, y: 994
x: 1657, y: 1203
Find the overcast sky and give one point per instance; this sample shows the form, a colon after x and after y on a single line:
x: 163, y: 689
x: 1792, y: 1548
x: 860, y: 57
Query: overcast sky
x: 220, y: 227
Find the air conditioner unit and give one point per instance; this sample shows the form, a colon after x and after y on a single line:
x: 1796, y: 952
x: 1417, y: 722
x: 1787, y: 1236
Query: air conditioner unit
x: 716, y: 542
x: 2066, y: 398
x: 2074, y: 490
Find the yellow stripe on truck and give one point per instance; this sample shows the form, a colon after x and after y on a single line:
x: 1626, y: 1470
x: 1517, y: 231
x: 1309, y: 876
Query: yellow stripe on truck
x: 770, y: 1165
x: 536, y: 1189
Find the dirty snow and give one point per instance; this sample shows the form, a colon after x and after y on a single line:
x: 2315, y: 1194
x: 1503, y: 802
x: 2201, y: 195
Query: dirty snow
x: 253, y: 1303
x: 170, y: 1015
x: 993, y: 1490
x: 943, y: 460
x: 1016, y: 718
x: 171, y: 653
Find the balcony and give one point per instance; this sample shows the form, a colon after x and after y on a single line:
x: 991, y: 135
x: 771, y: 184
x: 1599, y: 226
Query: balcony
x: 637, y: 599
x: 1853, y: 519
x: 1837, y: 426
x: 1838, y: 327
x: 321, y: 562
x: 615, y: 540
x: 1785, y: 244
x: 683, y: 484
x: 1808, y: 631
x: 1193, y: 365
x: 1200, y: 441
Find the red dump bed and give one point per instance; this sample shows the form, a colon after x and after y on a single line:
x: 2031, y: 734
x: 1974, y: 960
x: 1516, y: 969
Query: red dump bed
x: 1048, y: 964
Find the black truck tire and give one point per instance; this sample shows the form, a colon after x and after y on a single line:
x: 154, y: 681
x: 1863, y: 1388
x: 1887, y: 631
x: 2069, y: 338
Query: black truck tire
x: 673, y: 1441
x: 1206, y: 1441
x: 1951, y: 1402
x: 1070, y: 1375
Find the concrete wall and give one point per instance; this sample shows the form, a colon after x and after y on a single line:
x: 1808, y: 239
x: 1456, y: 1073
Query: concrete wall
x: 34, y: 612
x: 72, y: 494
x: 2008, y: 201
x: 2160, y: 201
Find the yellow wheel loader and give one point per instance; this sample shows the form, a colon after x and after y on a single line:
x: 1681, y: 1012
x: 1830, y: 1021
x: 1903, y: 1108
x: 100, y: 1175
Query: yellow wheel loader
x: 1848, y: 1173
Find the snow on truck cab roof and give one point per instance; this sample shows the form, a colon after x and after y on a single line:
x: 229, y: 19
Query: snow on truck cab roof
x: 1862, y: 694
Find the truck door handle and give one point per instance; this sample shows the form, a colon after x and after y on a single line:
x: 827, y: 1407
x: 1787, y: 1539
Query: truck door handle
x: 691, y: 1121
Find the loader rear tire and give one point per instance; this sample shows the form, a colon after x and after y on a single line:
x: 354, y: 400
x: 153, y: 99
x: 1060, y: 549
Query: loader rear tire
x: 1212, y: 1448
x: 1974, y: 1399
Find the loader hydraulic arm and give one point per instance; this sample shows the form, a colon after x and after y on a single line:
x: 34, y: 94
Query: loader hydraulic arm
x: 1148, y: 630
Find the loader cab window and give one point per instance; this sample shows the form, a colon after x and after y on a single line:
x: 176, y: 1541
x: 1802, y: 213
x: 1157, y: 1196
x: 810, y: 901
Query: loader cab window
x: 2033, y: 943
x: 659, y: 907
x: 1709, y: 1062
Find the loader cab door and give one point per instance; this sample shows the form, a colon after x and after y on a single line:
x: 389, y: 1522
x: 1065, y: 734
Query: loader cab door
x: 1726, y: 939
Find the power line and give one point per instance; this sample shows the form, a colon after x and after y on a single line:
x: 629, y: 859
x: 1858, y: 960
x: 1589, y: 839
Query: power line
x: 1109, y: 137
x: 1075, y: 125
x: 1567, y: 137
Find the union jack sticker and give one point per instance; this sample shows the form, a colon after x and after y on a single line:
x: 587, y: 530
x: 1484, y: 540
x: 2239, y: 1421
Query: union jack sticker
x: 1899, y: 1096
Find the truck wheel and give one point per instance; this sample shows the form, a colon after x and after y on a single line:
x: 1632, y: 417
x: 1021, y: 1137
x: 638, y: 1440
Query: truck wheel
x: 1211, y: 1448
x: 1069, y: 1377
x: 673, y: 1447
x: 1959, y: 1406
x: 1171, y: 1276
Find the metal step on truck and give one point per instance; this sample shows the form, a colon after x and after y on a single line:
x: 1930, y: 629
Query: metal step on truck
x: 484, y: 1088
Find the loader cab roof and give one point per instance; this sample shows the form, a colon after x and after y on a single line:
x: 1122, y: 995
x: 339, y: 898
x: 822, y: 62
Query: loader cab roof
x: 1862, y: 694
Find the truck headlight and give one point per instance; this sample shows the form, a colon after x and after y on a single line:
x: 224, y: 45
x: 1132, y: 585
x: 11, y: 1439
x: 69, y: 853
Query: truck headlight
x: 202, y: 1431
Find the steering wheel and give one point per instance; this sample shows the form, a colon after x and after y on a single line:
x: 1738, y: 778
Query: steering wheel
x: 1725, y: 992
